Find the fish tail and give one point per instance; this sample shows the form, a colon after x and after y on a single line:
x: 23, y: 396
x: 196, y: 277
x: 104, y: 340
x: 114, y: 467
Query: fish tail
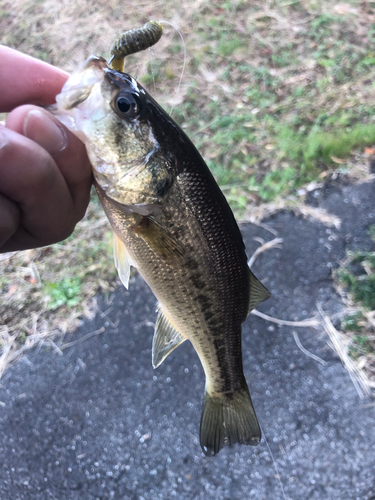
x: 228, y: 418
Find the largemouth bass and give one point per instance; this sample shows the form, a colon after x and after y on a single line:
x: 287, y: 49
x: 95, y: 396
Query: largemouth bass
x: 171, y: 222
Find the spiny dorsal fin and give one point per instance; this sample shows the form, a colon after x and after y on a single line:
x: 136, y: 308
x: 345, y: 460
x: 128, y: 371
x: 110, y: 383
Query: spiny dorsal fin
x: 258, y: 292
x: 166, y: 339
x: 122, y: 259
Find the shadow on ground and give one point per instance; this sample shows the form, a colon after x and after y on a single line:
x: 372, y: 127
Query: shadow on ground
x: 100, y: 423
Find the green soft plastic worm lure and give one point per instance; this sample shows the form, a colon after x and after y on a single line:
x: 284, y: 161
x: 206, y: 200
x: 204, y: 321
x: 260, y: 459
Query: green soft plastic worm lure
x: 133, y: 41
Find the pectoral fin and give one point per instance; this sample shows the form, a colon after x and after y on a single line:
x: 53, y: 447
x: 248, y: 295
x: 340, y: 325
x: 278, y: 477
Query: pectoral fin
x: 166, y: 339
x: 122, y: 259
x: 159, y: 239
x: 258, y: 292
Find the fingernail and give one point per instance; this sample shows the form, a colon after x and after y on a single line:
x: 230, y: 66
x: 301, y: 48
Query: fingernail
x: 3, y: 137
x: 43, y: 130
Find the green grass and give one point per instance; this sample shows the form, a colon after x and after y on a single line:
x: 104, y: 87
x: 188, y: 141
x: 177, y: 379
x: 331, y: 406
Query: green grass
x: 64, y: 292
x: 361, y: 346
x: 304, y: 126
x: 353, y: 322
x: 357, y: 277
x: 302, y: 153
x: 361, y: 287
x: 301, y: 101
x: 227, y: 46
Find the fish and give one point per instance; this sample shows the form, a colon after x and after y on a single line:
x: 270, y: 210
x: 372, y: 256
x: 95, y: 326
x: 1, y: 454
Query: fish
x: 171, y: 221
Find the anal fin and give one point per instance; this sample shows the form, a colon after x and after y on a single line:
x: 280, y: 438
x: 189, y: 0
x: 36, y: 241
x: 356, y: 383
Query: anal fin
x: 166, y: 339
x: 258, y: 292
x: 122, y: 259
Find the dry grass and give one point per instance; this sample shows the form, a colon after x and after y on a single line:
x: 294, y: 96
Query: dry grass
x: 255, y: 65
x: 275, y: 243
x: 40, y: 299
x: 261, y: 212
x: 340, y: 343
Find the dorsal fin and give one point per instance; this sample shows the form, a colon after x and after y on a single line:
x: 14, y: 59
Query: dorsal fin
x: 122, y: 259
x: 166, y: 339
x: 258, y: 292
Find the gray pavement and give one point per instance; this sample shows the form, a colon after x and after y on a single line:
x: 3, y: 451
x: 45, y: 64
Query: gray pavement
x: 99, y: 423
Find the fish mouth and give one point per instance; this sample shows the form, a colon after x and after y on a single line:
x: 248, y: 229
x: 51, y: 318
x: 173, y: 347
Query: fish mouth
x: 79, y: 86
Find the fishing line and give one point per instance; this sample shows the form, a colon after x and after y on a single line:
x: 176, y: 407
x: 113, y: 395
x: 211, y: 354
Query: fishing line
x: 274, y: 463
x: 184, y: 46
x: 152, y: 68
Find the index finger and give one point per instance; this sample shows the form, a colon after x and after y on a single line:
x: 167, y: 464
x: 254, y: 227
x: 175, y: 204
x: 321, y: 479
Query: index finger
x: 25, y: 80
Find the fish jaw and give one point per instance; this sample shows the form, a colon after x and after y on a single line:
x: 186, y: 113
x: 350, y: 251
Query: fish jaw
x: 118, y: 148
x: 78, y: 86
x: 76, y: 90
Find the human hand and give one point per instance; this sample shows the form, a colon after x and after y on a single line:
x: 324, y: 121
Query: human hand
x: 45, y: 175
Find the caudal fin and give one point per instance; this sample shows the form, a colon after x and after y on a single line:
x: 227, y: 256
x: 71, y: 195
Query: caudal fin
x: 228, y: 419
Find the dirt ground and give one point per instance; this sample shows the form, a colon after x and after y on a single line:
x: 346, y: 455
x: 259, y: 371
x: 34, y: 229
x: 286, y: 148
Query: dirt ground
x: 95, y: 421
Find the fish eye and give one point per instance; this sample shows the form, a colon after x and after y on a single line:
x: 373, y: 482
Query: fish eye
x: 127, y: 105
